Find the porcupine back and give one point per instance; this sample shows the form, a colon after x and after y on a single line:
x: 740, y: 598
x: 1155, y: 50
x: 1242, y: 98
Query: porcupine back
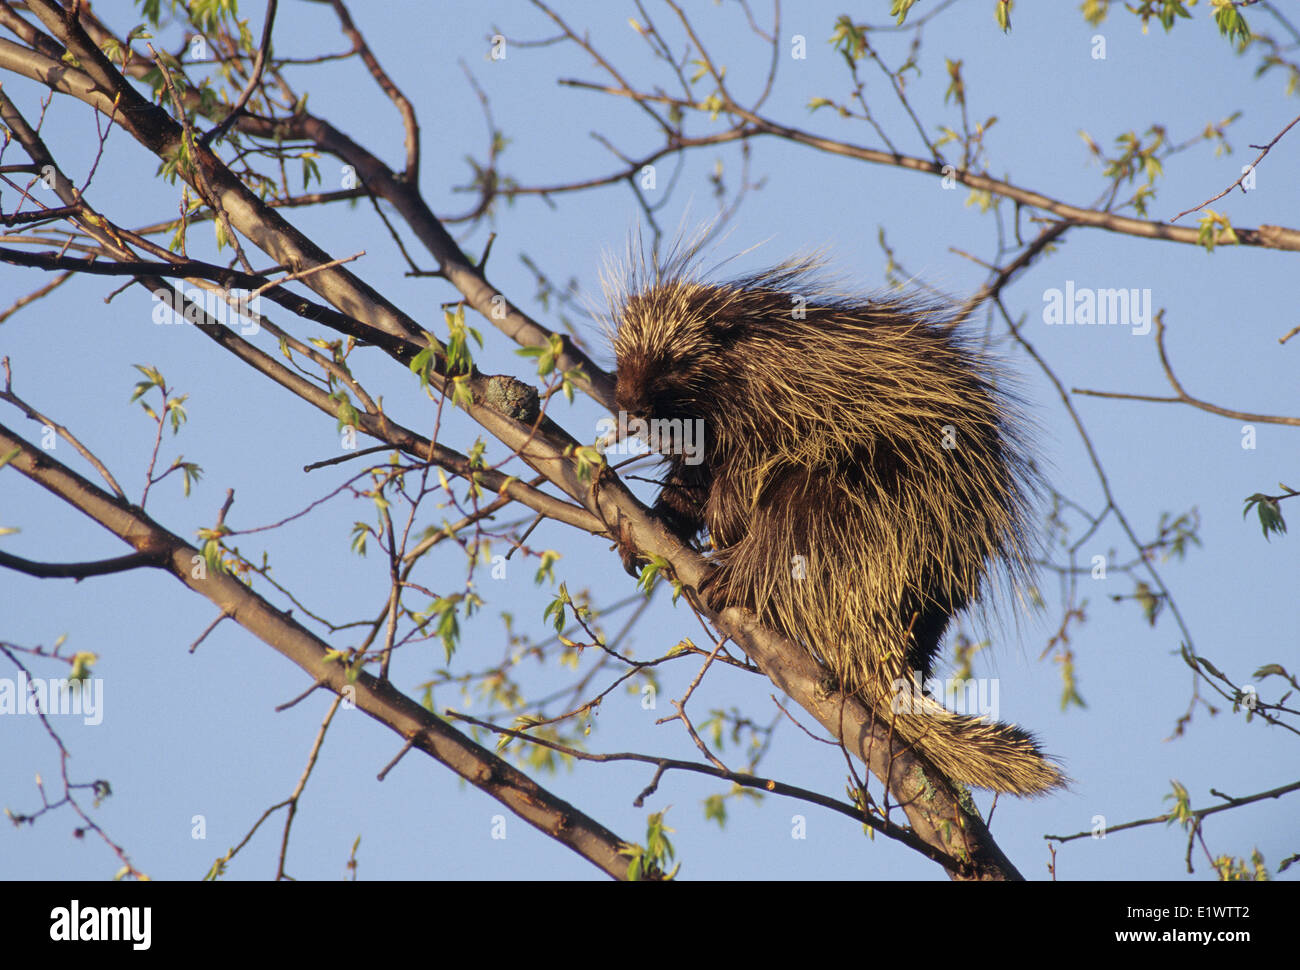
x: 863, y: 479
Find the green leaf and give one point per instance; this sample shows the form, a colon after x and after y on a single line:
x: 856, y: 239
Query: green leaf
x: 190, y: 473
x: 849, y: 39
x: 82, y: 661
x: 461, y: 395
x: 1003, y: 15
x: 310, y: 169
x: 346, y: 413
x: 176, y: 411
x: 1270, y: 514
x: 650, y: 574
x: 458, y: 356
x: 899, y: 9
x: 212, y: 556
x: 1149, y: 602
x: 1215, y: 229
x: 546, y: 571
x: 1231, y: 22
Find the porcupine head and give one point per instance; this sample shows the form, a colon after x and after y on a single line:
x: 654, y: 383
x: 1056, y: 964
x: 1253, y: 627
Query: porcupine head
x: 861, y: 477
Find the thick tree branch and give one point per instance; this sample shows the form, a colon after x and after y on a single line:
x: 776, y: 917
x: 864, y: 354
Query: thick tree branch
x: 379, y: 699
x: 77, y: 570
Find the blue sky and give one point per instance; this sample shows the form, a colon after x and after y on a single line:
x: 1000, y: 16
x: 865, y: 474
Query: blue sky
x: 196, y: 735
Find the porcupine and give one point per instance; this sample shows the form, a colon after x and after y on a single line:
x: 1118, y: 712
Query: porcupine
x: 863, y: 478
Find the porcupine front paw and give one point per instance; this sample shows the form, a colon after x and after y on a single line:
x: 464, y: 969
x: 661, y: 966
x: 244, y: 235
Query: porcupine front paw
x: 627, y: 550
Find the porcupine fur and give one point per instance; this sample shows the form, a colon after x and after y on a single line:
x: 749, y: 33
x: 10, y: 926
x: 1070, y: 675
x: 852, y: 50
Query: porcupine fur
x: 863, y: 479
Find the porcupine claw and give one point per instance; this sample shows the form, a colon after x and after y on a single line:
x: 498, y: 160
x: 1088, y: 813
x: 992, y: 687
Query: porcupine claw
x: 627, y: 551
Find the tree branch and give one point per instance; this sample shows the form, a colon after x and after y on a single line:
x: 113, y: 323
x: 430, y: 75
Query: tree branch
x: 379, y: 699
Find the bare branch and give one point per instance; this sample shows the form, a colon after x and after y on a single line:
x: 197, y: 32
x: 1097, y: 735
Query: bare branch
x: 1182, y: 397
x: 1248, y: 170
